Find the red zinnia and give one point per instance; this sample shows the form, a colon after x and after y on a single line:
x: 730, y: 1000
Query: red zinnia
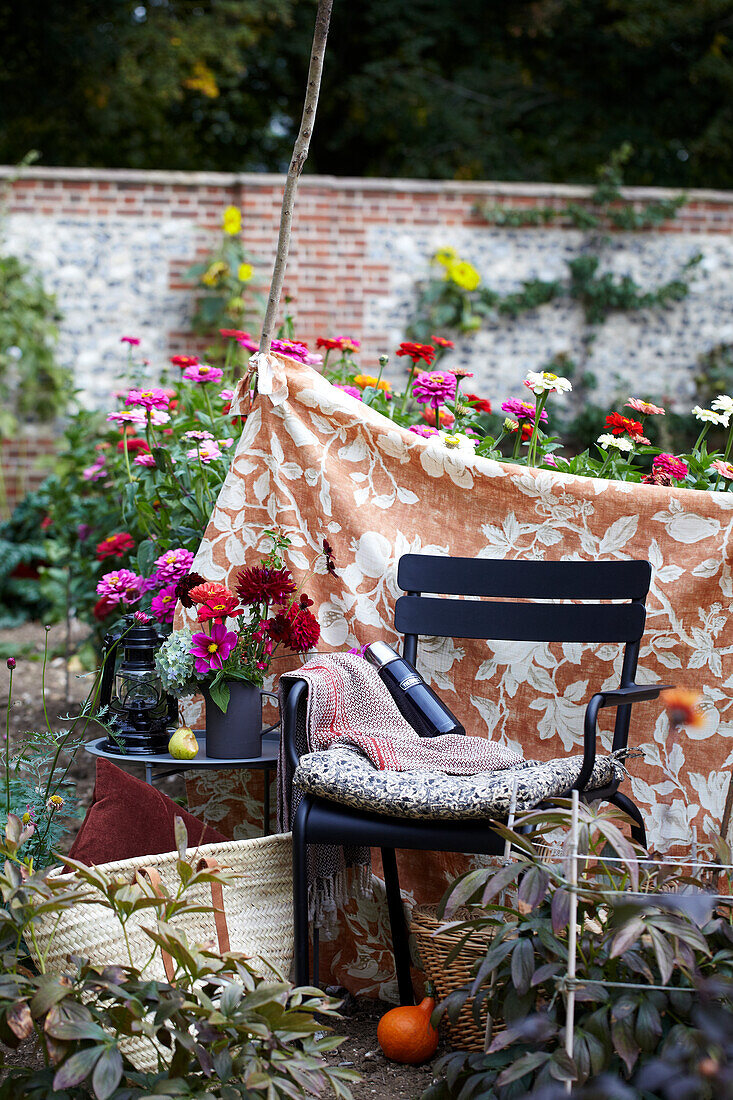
x: 115, y: 546
x: 329, y: 345
x: 208, y: 591
x: 620, y: 424
x: 481, y: 404
x: 219, y: 607
x: 133, y: 446
x: 184, y: 361
x: 417, y: 352
x: 102, y: 608
x: 263, y: 585
x: 441, y: 342
x: 233, y: 333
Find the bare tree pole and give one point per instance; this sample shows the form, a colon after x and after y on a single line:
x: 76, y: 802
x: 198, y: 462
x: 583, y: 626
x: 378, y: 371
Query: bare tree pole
x: 300, y: 155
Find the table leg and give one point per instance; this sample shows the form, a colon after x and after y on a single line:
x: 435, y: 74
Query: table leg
x: 149, y: 774
x: 266, y: 801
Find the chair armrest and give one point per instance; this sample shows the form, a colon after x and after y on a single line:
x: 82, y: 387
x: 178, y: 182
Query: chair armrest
x: 293, y: 699
x: 616, y: 697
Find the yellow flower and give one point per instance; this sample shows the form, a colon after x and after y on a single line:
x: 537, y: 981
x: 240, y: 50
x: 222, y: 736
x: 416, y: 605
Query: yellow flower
x: 445, y: 256
x: 203, y: 80
x: 231, y: 221
x: 215, y: 273
x: 55, y: 802
x: 364, y: 380
x: 245, y: 273
x: 463, y: 274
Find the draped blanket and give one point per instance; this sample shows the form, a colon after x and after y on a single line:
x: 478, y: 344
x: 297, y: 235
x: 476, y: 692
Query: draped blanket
x: 322, y: 464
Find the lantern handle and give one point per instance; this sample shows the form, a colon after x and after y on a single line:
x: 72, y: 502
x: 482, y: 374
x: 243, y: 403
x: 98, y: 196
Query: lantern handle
x: 111, y: 645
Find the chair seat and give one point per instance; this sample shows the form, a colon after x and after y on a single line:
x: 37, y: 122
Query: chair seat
x: 343, y: 775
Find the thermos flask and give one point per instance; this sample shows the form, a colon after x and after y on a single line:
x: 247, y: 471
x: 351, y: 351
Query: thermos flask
x: 417, y: 702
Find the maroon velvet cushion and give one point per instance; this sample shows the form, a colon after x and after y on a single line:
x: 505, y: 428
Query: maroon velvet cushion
x: 129, y: 818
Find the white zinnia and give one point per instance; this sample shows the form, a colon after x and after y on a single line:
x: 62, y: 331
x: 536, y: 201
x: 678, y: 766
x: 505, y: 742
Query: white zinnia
x: 546, y: 382
x: 618, y: 441
x: 723, y: 404
x: 710, y: 417
x: 458, y: 441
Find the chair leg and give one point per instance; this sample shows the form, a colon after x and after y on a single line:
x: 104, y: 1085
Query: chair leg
x: 400, y: 940
x: 638, y: 829
x: 300, y: 893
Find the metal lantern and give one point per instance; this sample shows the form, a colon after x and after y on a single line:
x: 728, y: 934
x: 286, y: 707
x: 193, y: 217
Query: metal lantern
x: 138, y: 711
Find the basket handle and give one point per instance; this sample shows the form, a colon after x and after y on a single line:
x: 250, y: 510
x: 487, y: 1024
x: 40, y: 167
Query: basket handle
x: 217, y: 901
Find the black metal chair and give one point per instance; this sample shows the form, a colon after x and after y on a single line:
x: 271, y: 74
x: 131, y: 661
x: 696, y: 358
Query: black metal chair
x: 498, y: 618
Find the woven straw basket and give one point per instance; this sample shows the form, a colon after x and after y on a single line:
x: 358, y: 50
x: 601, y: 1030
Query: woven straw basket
x: 433, y: 948
x: 258, y: 909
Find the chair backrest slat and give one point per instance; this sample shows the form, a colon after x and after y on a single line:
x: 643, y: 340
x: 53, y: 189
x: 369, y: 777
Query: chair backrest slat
x: 446, y: 618
x: 549, y: 580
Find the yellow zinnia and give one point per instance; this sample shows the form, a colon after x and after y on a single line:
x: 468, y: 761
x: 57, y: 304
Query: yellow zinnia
x: 245, y: 273
x: 231, y: 221
x: 463, y: 274
x: 364, y: 380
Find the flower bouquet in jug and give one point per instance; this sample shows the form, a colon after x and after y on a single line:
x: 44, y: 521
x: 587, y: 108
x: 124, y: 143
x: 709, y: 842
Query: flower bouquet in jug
x: 270, y: 612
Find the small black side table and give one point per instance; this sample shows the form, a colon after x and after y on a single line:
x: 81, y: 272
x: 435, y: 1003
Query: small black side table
x: 166, y: 765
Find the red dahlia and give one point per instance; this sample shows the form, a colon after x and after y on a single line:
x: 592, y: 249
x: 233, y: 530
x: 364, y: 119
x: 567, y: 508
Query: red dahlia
x: 304, y: 629
x: 263, y: 585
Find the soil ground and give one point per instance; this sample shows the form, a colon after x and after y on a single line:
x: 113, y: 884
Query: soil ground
x: 66, y: 688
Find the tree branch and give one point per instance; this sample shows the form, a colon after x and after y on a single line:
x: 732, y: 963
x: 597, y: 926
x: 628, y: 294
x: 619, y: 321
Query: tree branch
x: 299, y: 157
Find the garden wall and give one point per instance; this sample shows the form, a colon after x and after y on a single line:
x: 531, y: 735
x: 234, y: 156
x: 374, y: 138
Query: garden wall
x: 114, y: 246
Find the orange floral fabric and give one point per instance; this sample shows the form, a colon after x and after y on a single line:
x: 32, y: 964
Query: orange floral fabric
x: 321, y: 464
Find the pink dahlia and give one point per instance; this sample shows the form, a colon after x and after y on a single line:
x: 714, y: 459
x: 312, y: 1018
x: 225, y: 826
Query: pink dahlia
x: 201, y: 372
x: 434, y: 387
x: 149, y: 399
x: 173, y: 565
x: 163, y: 605
x: 212, y: 650
x: 120, y: 586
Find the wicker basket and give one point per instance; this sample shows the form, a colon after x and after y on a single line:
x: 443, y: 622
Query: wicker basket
x: 258, y: 907
x: 433, y: 947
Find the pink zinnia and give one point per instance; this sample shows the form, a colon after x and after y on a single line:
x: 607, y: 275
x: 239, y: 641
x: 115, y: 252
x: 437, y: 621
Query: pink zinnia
x: 121, y: 586
x: 434, y: 387
x: 522, y: 410
x: 351, y: 390
x: 423, y: 431
x: 197, y: 435
x: 95, y: 472
x: 163, y: 605
x: 206, y: 453
x: 725, y: 469
x: 296, y: 349
x: 131, y: 340
x: 668, y: 464
x: 173, y: 565
x: 549, y: 460
x: 644, y: 407
x: 226, y: 443
x: 141, y: 618
x: 149, y: 399
x: 212, y: 650
x: 201, y: 372
x: 144, y: 460
x: 226, y: 395
x: 246, y: 341
x: 130, y: 416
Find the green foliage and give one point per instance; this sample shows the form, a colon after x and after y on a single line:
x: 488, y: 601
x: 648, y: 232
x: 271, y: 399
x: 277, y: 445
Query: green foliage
x: 23, y: 549
x: 32, y: 385
x: 221, y: 1031
x: 660, y: 949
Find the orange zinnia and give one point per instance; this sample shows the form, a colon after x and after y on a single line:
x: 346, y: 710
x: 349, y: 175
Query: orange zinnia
x: 682, y: 707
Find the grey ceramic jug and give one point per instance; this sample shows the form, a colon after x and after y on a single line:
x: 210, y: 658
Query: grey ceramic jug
x: 236, y: 734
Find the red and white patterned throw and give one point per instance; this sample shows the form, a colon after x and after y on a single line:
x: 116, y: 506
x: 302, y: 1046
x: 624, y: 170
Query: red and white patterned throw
x: 349, y: 705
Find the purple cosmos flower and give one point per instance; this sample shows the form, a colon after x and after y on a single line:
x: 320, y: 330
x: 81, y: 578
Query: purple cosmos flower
x: 522, y: 410
x: 434, y: 387
x: 173, y: 565
x: 149, y: 399
x: 201, y: 372
x: 212, y: 650
x: 120, y: 586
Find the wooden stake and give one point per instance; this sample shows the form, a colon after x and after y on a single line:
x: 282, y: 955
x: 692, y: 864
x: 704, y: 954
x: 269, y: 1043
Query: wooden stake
x: 300, y: 155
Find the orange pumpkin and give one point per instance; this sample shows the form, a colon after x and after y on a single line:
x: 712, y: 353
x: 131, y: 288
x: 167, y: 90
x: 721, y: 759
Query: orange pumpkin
x: 406, y: 1035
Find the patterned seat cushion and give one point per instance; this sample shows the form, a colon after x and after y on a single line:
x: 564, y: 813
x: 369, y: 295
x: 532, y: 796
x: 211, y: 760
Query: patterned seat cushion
x: 345, y: 776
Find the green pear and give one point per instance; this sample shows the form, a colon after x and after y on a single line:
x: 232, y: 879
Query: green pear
x: 183, y: 744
